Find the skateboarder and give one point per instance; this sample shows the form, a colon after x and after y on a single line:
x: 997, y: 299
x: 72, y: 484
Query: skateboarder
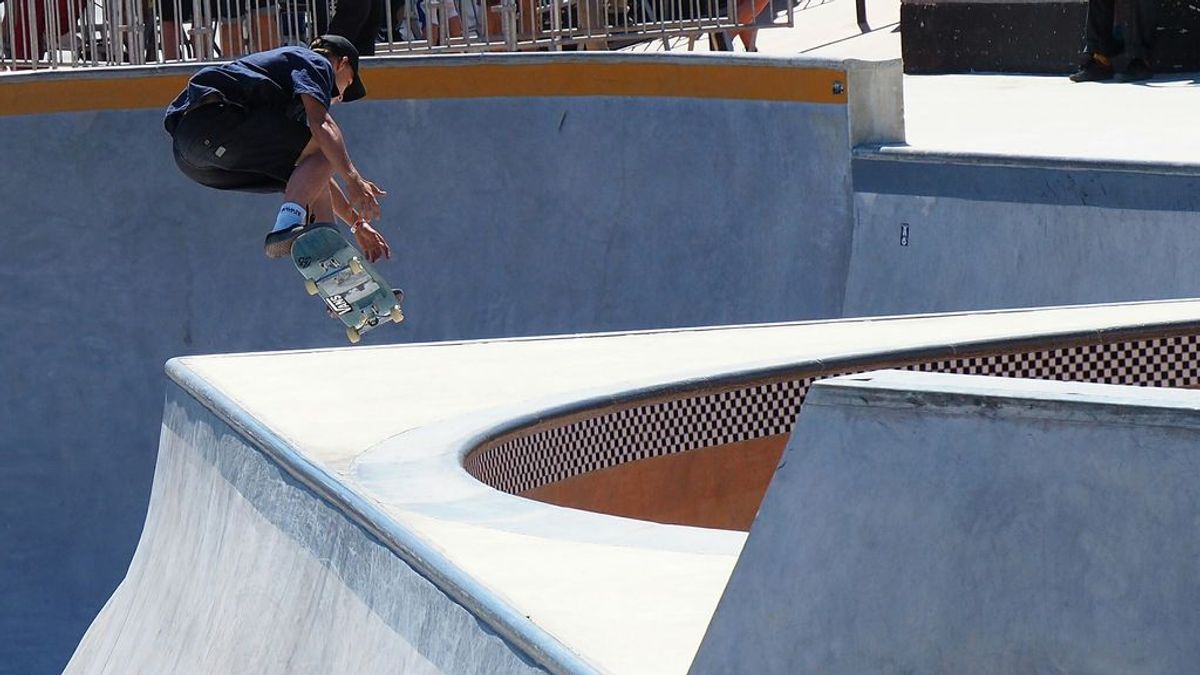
x: 262, y: 124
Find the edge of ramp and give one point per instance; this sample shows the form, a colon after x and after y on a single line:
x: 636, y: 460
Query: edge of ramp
x: 539, y: 645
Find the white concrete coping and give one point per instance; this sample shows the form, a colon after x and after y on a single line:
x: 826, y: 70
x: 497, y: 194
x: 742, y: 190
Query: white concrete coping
x: 1084, y: 402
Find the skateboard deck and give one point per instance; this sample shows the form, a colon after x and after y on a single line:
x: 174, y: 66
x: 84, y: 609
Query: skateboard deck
x: 353, y: 291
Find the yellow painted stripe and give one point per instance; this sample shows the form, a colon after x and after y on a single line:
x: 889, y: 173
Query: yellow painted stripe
x: 721, y: 81
x: 93, y: 91
x: 31, y: 96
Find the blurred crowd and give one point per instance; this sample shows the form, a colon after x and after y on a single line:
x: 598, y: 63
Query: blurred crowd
x: 149, y: 31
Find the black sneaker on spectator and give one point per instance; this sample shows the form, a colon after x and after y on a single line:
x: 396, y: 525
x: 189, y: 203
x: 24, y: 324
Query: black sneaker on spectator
x: 1093, y: 71
x: 1137, y: 71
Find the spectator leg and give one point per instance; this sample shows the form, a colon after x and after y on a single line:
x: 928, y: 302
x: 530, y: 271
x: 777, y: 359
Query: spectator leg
x: 530, y: 22
x: 495, y: 23
x: 171, y: 38
x: 747, y: 12
x: 230, y: 32
x: 359, y: 22
x: 350, y: 20
x: 1099, y: 36
x: 1143, y: 22
x: 719, y: 41
x: 22, y: 47
x: 264, y: 30
x: 594, y: 20
x: 321, y: 20
x: 749, y: 39
x: 372, y: 29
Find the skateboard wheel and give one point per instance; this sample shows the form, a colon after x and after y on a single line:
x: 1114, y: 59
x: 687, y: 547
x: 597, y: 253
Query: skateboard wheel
x: 310, y: 286
x: 356, y: 265
x: 396, y: 314
x: 353, y: 335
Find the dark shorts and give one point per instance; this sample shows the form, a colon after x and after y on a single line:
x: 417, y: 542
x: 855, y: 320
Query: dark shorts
x: 228, y: 147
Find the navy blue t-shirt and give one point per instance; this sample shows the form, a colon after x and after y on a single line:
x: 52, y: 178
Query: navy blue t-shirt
x: 274, y: 78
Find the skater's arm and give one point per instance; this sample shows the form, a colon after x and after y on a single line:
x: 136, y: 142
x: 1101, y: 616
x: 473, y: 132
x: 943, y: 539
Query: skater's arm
x: 341, y: 206
x: 364, y: 195
x: 369, y: 239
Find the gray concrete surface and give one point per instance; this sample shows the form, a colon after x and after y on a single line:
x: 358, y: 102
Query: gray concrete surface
x: 986, y: 232
x: 948, y: 524
x: 242, y: 568
x: 1040, y: 116
x: 507, y: 217
x: 1012, y: 199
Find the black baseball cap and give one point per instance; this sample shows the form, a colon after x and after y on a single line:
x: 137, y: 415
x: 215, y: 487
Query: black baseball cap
x: 340, y: 46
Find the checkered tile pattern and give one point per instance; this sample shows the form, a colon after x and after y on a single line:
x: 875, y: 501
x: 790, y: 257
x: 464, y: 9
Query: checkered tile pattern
x: 637, y: 431
x: 523, y: 461
x: 1161, y: 362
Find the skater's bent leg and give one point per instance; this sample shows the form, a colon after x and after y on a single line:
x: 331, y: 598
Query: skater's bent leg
x: 310, y: 177
x: 307, y: 189
x: 322, y: 206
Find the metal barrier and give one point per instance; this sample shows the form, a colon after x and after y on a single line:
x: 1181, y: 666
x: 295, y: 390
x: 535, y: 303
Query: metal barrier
x: 74, y: 33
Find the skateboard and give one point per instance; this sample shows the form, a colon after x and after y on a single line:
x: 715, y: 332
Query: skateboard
x: 353, y: 291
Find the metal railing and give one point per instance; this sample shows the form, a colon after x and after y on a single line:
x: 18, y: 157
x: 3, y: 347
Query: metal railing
x: 74, y: 33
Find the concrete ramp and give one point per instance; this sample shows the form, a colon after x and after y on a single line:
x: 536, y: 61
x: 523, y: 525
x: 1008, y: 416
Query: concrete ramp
x: 377, y: 523
x: 925, y: 523
x: 243, y: 568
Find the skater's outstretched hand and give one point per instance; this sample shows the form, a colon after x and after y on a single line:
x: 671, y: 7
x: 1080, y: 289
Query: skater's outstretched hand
x: 364, y: 196
x: 371, y: 242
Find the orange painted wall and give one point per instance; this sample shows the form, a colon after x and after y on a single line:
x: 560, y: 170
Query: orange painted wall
x: 434, y: 78
x: 719, y: 487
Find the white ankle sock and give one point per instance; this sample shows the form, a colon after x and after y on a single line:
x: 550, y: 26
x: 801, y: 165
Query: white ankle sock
x: 290, y: 214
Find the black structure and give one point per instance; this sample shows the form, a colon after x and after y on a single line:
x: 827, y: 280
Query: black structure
x: 1036, y: 36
